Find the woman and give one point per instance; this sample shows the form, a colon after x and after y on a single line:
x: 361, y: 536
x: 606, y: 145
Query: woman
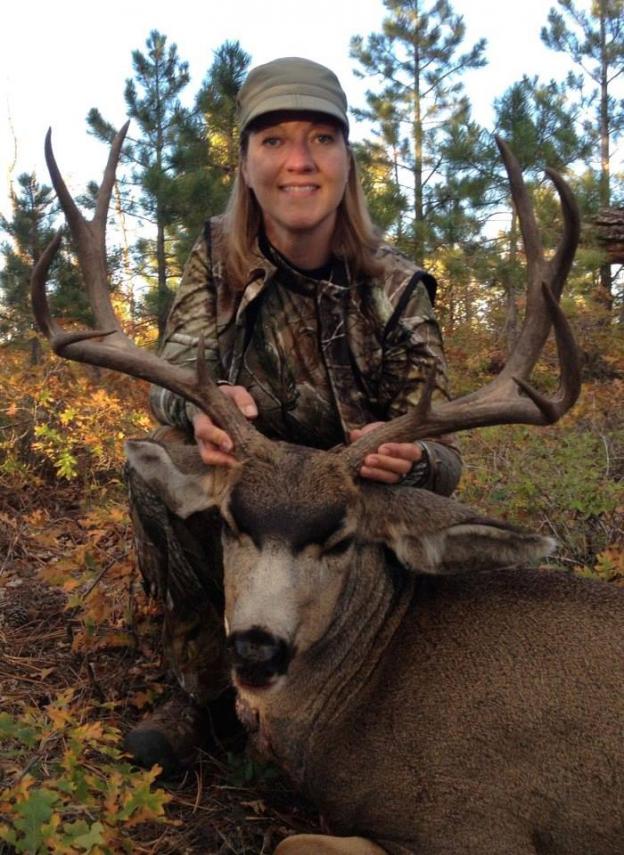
x: 315, y: 330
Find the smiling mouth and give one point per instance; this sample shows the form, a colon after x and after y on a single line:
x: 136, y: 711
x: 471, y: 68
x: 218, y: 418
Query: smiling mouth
x: 299, y: 188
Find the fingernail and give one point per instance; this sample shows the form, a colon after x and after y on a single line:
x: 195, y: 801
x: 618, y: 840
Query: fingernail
x: 226, y: 446
x: 249, y: 410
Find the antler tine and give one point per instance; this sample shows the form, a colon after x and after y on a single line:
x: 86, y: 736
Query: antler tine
x: 90, y: 237
x: 70, y: 209
x: 526, y: 217
x: 108, y: 179
x: 568, y: 354
x: 537, y: 317
x: 39, y: 298
x: 561, y: 262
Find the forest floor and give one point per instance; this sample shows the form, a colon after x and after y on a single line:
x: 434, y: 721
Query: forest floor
x: 65, y: 662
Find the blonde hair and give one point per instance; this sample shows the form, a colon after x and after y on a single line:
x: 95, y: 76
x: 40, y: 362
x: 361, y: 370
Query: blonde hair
x: 355, y: 238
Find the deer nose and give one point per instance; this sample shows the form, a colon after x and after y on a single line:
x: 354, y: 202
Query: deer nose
x: 258, y: 657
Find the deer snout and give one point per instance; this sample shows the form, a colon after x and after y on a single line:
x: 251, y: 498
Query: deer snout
x: 258, y: 658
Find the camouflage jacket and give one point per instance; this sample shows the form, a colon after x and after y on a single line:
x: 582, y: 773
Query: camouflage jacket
x: 376, y: 342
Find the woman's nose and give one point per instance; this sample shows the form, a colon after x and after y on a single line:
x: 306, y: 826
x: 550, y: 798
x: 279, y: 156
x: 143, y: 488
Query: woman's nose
x: 300, y: 157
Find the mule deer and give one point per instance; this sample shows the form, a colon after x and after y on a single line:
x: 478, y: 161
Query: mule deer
x: 426, y: 693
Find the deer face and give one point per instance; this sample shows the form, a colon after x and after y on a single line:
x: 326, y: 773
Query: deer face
x: 288, y: 537
x: 287, y: 544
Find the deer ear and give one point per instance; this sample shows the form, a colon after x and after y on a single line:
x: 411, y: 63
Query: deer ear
x: 436, y: 535
x: 471, y: 546
x: 184, y: 493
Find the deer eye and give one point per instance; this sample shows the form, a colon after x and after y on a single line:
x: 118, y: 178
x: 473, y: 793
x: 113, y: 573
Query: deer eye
x: 340, y: 547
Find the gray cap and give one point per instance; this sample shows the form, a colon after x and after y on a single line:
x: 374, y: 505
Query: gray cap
x: 291, y: 83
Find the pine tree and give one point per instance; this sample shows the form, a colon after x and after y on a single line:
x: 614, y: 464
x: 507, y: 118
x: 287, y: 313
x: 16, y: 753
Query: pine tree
x: 206, y: 153
x: 594, y: 40
x: 153, y: 101
x: 417, y: 58
x: 29, y: 231
x: 540, y: 123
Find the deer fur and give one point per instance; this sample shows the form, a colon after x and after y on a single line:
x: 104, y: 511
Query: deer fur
x: 441, y: 698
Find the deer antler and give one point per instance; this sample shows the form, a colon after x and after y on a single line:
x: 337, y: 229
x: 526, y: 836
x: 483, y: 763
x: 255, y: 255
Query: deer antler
x: 109, y: 346
x: 508, y: 399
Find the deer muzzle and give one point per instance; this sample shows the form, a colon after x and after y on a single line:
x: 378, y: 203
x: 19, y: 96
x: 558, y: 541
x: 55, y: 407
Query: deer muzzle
x: 258, y: 658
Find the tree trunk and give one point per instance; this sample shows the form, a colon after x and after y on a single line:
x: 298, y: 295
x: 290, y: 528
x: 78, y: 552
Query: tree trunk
x: 35, y: 350
x: 605, y: 178
x: 163, y: 291
x: 609, y: 226
x: 511, y: 308
x: 419, y: 249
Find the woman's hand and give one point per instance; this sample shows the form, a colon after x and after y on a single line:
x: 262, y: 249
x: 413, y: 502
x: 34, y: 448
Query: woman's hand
x: 215, y: 445
x: 391, y: 462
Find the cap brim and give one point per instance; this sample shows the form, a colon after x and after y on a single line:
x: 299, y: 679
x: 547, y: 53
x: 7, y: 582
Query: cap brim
x: 305, y: 103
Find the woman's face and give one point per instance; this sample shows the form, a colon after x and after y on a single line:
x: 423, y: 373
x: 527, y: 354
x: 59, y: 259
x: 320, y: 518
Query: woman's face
x: 298, y: 170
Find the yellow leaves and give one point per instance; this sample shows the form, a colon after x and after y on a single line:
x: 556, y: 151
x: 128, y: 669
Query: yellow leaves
x: 67, y: 416
x: 118, y: 515
x: 141, y: 700
x: 610, y: 565
x: 56, y: 572
x: 90, y: 731
x: 79, y: 423
x: 59, y: 717
x: 80, y: 798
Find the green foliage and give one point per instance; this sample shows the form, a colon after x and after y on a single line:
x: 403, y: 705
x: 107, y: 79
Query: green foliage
x: 554, y: 481
x: 243, y: 770
x: 206, y: 152
x: 418, y: 62
x: 72, y: 790
x: 593, y: 40
x: 29, y: 231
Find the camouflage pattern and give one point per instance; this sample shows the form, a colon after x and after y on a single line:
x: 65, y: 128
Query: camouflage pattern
x: 336, y: 348
x: 181, y: 567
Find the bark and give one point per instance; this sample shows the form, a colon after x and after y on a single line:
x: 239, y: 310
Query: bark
x: 605, y: 177
x: 609, y: 225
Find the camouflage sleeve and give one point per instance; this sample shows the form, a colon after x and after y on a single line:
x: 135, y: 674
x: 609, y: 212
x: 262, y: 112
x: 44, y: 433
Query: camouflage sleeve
x: 412, y: 348
x: 192, y: 314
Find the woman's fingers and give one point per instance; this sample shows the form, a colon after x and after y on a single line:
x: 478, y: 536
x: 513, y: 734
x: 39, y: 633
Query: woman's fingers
x: 391, y: 462
x: 214, y: 444
x: 358, y: 432
x: 242, y: 399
